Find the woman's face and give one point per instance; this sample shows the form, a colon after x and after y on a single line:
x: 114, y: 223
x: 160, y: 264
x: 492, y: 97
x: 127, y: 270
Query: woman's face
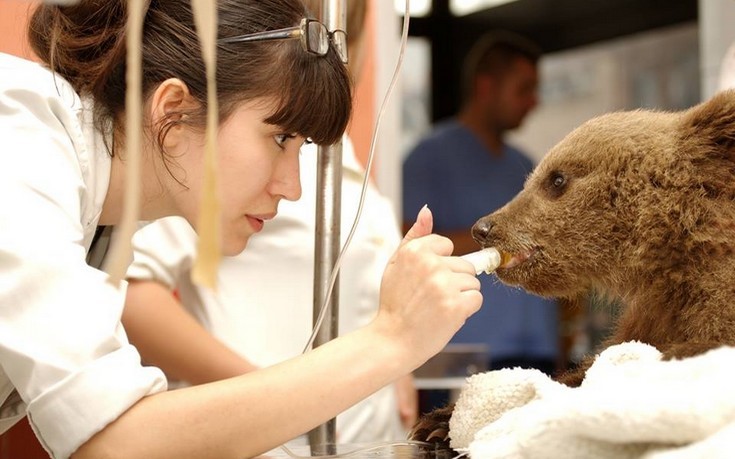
x: 258, y: 165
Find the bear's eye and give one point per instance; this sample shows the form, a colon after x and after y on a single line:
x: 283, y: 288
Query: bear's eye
x: 558, y: 180
x: 556, y: 184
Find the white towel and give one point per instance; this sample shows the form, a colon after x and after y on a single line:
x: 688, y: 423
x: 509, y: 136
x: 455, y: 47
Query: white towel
x: 630, y: 405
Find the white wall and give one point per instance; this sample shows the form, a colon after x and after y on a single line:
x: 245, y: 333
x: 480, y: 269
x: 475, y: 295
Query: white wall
x: 388, y: 160
x: 656, y: 69
x: 717, y: 32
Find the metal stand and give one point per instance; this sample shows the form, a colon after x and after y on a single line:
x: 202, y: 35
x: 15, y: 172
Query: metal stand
x: 322, y: 439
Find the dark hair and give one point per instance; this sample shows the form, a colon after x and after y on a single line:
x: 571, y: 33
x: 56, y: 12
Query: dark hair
x: 494, y: 53
x: 85, y: 44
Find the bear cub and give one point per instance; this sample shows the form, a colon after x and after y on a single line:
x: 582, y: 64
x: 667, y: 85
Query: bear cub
x: 640, y: 207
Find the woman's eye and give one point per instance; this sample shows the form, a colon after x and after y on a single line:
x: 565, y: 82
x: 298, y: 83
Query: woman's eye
x: 281, y: 139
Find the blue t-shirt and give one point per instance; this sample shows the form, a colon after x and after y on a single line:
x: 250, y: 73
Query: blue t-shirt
x: 461, y: 181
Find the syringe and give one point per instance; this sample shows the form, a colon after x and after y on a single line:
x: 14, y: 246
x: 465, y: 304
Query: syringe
x: 486, y: 260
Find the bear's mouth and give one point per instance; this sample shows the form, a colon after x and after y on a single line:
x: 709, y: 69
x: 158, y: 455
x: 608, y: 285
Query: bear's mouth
x: 511, y: 260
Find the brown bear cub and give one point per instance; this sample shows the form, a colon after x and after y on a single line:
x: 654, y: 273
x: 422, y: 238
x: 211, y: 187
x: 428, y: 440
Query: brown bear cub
x: 639, y: 206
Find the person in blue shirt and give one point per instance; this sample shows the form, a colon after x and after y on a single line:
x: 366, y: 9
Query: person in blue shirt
x: 463, y: 170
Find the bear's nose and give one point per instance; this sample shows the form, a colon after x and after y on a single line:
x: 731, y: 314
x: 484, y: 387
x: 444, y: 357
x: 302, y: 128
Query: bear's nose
x: 481, y: 230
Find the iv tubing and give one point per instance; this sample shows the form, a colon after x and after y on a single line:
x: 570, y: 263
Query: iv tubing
x: 338, y: 263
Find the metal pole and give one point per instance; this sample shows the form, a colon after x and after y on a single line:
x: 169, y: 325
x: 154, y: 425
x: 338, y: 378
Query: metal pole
x: 327, y: 238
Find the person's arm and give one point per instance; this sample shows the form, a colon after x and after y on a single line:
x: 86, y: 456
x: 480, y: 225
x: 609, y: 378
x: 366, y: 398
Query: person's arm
x: 168, y: 337
x: 165, y: 333
x: 425, y: 298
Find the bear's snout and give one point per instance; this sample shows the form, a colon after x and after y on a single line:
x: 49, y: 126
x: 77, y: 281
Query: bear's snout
x: 481, y: 230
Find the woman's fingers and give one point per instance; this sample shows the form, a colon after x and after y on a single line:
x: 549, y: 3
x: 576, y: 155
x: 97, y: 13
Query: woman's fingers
x: 461, y: 265
x: 426, y: 294
x: 422, y: 227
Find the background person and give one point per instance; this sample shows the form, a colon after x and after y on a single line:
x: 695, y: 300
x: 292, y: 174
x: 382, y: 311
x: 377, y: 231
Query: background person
x: 465, y: 169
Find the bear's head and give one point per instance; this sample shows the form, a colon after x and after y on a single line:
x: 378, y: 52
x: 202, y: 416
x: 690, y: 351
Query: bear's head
x: 625, y: 200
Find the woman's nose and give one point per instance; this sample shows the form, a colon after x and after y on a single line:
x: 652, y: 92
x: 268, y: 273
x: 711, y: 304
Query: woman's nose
x: 286, y: 181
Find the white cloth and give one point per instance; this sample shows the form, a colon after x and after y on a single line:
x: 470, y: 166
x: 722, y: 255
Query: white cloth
x: 62, y: 347
x: 263, y: 305
x: 630, y: 405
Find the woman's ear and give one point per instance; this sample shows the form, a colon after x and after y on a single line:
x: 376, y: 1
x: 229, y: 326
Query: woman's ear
x: 169, y: 103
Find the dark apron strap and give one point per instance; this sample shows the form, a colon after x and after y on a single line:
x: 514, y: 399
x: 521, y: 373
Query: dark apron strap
x: 99, y: 247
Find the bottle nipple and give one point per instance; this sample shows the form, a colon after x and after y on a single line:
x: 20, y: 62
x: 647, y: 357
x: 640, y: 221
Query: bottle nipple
x: 486, y: 260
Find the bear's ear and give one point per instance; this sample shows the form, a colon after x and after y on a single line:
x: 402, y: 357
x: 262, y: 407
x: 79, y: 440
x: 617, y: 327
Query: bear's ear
x: 713, y: 122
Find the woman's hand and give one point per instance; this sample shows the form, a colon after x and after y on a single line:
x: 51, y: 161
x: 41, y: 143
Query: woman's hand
x: 426, y: 295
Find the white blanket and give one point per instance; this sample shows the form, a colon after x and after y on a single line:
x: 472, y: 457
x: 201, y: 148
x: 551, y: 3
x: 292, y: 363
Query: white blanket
x: 630, y: 405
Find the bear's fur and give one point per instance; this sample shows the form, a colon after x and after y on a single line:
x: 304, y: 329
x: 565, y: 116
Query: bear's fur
x: 639, y: 206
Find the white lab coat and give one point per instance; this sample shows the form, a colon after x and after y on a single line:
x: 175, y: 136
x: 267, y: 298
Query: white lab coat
x: 65, y: 358
x: 263, y: 305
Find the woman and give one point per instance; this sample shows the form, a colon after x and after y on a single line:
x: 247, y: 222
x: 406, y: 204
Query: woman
x: 216, y: 335
x: 66, y: 362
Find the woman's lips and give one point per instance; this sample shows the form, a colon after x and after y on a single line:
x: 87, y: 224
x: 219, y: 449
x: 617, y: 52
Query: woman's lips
x: 258, y: 221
